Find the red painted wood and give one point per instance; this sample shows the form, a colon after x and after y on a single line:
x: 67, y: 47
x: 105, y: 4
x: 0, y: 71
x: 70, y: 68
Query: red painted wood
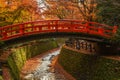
x: 48, y: 26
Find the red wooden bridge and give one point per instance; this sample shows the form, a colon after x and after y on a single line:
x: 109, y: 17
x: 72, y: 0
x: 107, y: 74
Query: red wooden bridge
x: 55, y: 26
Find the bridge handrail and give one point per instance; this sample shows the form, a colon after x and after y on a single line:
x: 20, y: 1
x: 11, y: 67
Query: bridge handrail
x: 46, y: 26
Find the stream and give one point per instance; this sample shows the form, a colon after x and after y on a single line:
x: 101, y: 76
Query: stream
x: 43, y: 71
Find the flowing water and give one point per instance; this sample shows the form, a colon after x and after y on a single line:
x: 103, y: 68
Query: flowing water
x: 43, y: 72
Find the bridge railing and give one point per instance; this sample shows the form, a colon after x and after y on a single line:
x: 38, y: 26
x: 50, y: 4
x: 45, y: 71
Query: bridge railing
x: 48, y: 26
x: 103, y: 30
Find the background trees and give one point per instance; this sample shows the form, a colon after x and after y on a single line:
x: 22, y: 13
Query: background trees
x: 59, y: 9
x: 109, y: 12
x: 86, y: 8
x: 71, y: 9
x: 17, y: 11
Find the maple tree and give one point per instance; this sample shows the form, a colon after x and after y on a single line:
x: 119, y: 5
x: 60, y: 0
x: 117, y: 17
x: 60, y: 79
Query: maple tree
x: 71, y: 9
x: 60, y: 9
x: 18, y: 11
x: 87, y: 8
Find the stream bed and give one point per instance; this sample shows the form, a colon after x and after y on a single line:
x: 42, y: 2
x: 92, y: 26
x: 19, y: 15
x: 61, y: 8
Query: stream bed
x: 43, y: 72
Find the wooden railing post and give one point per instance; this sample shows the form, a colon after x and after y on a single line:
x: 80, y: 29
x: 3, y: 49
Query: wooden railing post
x: 49, y: 25
x: 56, y: 27
x: 35, y: 28
x: 87, y: 27
x: 71, y: 26
x: 100, y: 31
x: 21, y: 27
x: 115, y: 29
x: 4, y: 34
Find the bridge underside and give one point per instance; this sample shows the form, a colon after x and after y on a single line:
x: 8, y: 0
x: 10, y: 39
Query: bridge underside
x: 81, y: 36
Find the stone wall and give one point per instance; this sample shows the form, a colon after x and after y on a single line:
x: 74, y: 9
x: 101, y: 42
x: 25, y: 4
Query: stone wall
x: 89, y: 67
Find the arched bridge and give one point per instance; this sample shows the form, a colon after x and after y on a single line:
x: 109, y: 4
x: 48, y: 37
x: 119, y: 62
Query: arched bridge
x: 57, y: 26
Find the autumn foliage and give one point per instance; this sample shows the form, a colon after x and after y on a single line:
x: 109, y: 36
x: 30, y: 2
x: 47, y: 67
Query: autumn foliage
x: 18, y: 11
x: 71, y: 9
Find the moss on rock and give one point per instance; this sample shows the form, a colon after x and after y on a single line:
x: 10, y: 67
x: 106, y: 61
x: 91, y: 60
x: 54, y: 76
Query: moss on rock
x: 89, y: 67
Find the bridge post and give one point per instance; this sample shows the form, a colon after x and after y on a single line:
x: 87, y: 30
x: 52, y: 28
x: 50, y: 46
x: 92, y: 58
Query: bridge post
x: 87, y: 27
x: 4, y: 35
x: 82, y: 45
x: 101, y: 31
x: 34, y: 28
x: 86, y: 45
x: 78, y: 45
x: 21, y: 29
x: 115, y: 29
x: 56, y: 27
x: 72, y: 26
x: 90, y: 47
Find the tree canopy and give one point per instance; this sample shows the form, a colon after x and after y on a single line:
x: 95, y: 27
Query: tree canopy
x: 109, y: 13
x: 18, y: 11
x: 71, y: 9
